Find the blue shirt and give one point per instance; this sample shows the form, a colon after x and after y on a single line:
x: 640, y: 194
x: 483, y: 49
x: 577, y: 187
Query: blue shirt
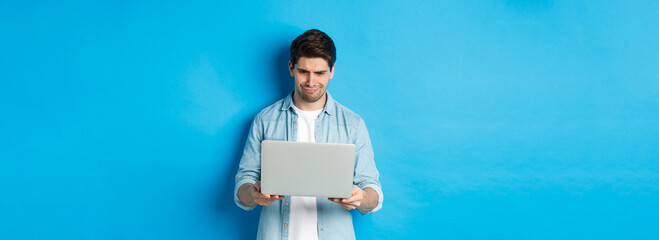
x: 335, y: 124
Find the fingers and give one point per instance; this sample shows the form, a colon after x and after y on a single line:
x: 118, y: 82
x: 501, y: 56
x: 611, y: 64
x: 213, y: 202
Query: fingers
x: 349, y: 206
x: 357, y: 195
x: 355, y: 190
x: 273, y: 197
x: 269, y: 197
x: 265, y: 199
x: 353, y: 202
x: 354, y: 199
x: 347, y: 203
x: 258, y: 195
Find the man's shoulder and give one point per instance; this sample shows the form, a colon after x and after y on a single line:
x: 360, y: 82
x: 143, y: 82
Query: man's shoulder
x: 344, y: 113
x: 272, y: 111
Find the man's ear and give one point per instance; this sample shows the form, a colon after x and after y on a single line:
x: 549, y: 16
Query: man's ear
x: 291, y: 68
x: 332, y: 71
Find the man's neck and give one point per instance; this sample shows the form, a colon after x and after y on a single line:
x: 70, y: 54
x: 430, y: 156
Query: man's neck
x: 307, y: 106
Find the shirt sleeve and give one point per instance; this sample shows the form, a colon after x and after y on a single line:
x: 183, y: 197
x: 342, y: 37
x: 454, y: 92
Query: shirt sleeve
x: 249, y: 169
x: 366, y: 174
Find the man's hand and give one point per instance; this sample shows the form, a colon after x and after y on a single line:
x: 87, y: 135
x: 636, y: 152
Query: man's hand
x: 263, y: 199
x: 353, y: 202
x: 250, y: 195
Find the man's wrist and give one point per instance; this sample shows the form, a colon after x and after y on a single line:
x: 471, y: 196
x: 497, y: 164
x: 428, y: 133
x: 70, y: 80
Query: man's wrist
x: 369, y: 200
x: 245, y: 195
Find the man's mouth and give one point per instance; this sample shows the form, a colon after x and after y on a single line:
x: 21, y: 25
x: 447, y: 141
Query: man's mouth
x: 310, y: 90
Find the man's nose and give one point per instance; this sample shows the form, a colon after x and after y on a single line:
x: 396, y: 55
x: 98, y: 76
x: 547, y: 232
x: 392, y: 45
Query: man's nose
x: 312, y: 79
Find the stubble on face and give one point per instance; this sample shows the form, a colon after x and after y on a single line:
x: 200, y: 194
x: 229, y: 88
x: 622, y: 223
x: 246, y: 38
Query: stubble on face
x: 310, y: 97
x: 311, y: 78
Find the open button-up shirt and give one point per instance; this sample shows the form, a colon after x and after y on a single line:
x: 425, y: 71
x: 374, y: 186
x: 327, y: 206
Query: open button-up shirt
x: 335, y: 124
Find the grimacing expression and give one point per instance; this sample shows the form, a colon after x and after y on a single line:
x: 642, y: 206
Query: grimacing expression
x: 311, y: 78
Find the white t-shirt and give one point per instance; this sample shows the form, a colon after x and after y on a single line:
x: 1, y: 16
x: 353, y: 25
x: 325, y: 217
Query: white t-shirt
x: 303, y: 218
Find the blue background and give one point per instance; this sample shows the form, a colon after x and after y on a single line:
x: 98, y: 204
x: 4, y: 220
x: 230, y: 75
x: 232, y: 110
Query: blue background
x: 489, y: 119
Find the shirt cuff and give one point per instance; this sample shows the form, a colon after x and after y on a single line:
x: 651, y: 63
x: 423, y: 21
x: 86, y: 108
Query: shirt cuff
x: 380, y: 197
x: 235, y: 194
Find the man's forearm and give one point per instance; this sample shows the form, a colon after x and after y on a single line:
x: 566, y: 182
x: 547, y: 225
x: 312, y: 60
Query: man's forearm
x: 245, y: 196
x: 370, y: 200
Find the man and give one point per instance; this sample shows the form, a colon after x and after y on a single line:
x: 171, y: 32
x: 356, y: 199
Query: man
x: 308, y: 114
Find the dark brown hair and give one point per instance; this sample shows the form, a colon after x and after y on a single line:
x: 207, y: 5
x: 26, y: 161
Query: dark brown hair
x: 313, y: 43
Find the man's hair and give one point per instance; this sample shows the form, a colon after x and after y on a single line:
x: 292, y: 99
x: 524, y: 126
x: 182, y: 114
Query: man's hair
x: 313, y: 43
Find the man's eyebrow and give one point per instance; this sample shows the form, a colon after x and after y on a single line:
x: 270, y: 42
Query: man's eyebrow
x: 319, y: 71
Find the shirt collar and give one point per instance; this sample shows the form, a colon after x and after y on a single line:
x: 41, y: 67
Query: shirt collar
x: 330, y: 105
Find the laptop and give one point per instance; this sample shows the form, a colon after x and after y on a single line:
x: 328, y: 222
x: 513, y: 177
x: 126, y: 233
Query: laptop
x: 307, y: 169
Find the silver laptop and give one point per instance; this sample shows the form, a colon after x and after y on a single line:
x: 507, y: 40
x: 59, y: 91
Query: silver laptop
x: 307, y: 169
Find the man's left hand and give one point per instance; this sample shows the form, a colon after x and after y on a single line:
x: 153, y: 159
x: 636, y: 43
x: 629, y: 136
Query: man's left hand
x: 354, y: 201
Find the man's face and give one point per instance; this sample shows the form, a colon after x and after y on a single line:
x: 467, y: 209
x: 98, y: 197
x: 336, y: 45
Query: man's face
x: 311, y: 78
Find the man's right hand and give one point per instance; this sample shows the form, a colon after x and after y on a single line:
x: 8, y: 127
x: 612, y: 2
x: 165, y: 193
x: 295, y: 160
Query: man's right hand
x: 255, y: 196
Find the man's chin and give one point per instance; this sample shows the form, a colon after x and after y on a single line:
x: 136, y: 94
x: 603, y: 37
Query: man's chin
x: 312, y: 99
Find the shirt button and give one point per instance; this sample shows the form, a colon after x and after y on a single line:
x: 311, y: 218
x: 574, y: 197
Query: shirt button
x: 318, y: 126
x: 320, y: 208
x: 321, y: 229
x: 285, y: 224
x: 294, y: 122
x: 286, y: 204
